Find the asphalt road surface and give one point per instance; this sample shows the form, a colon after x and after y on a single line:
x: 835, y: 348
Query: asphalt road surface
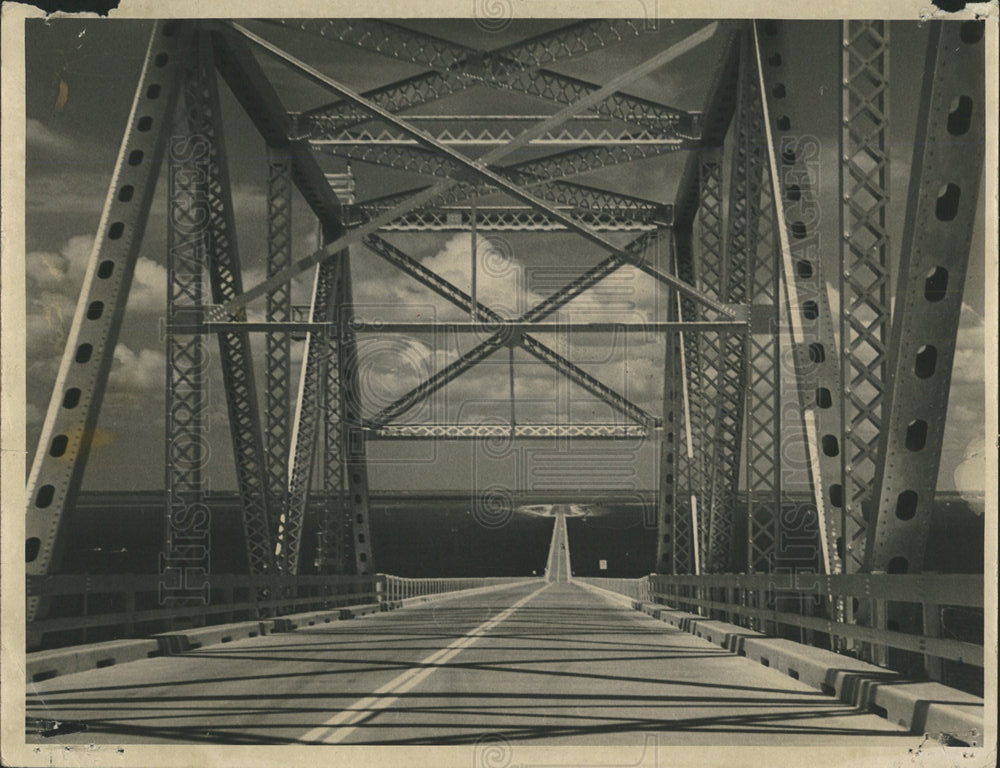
x: 550, y: 663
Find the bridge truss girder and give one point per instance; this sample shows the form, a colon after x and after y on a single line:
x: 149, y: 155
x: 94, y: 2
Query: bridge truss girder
x: 742, y: 274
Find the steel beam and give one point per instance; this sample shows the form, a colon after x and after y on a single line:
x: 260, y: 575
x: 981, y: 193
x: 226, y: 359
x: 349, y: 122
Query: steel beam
x: 68, y: 429
x: 356, y: 525
x: 596, y: 208
x: 202, y: 101
x: 305, y: 425
x: 489, y: 136
x: 709, y: 256
x: 763, y: 405
x: 507, y: 68
x: 518, y: 431
x: 511, y: 327
x: 478, y: 168
x: 332, y: 547
x: 672, y: 535
x: 792, y: 161
x: 186, y: 545
x: 864, y: 270
x: 278, y: 364
x: 937, y: 238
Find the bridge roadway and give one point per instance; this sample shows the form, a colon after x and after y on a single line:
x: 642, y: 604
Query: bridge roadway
x: 547, y: 662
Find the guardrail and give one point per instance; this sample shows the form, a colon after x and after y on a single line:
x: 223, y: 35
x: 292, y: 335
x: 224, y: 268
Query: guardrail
x: 775, y: 603
x: 85, y: 609
x: 82, y: 608
x: 637, y: 589
x: 400, y: 587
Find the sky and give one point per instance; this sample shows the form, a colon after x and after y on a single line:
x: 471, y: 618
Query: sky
x: 81, y: 75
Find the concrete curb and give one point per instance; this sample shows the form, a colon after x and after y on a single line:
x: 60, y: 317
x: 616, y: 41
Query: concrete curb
x: 44, y: 665
x: 922, y: 707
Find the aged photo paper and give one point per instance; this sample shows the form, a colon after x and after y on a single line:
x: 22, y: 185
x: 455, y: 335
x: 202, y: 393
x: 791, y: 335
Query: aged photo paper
x: 505, y: 383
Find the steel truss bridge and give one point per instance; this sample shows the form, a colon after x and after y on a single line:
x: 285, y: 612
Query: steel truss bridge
x: 737, y: 252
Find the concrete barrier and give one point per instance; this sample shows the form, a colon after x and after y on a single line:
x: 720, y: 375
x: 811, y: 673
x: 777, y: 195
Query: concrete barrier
x: 921, y: 707
x: 173, y: 643
x: 44, y: 665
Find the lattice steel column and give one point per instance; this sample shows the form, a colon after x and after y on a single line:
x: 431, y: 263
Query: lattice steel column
x: 356, y: 525
x: 709, y: 259
x: 692, y: 465
x: 793, y: 161
x: 305, y: 424
x: 728, y: 411
x: 278, y: 364
x: 673, y: 535
x: 185, y: 557
x: 225, y: 275
x: 763, y: 422
x: 941, y: 209
x: 687, y: 528
x: 864, y: 275
x: 63, y: 447
x: 332, y: 545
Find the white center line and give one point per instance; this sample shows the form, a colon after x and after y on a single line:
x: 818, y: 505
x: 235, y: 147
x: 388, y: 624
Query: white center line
x: 338, y: 727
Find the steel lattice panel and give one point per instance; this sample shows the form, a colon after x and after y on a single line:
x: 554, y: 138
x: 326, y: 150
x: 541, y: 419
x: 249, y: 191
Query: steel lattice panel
x: 186, y: 544
x: 864, y: 276
x: 278, y: 360
x: 502, y: 69
x: 202, y: 102
x: 763, y: 461
x: 717, y: 531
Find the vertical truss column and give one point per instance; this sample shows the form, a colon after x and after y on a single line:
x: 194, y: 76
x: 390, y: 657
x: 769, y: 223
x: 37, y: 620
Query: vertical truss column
x: 763, y: 422
x: 278, y: 364
x: 202, y: 100
x: 353, y: 437
x: 306, y: 420
x: 691, y: 465
x: 941, y: 209
x: 186, y: 543
x: 794, y: 162
x: 864, y: 272
x: 674, y: 539
x: 710, y: 268
x: 64, y: 444
x: 332, y: 544
x: 687, y: 530
x: 732, y: 374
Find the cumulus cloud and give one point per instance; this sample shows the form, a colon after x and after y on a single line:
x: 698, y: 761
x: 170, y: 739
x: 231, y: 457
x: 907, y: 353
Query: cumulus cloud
x: 136, y: 372
x: 53, y: 281
x: 970, y: 474
x: 391, y: 366
x: 500, y: 276
x: 969, y: 364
